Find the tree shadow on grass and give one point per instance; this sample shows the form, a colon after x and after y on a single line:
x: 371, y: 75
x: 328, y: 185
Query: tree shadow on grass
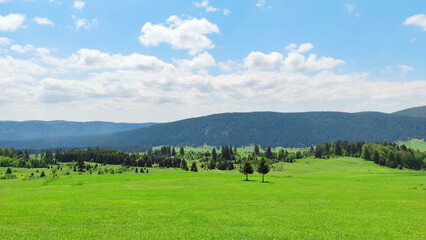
x: 250, y: 180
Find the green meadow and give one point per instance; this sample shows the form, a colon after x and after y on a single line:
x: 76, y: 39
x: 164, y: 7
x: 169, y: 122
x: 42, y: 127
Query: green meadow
x: 344, y: 198
x: 418, y: 144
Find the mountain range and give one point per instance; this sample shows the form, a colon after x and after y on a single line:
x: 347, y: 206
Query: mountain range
x: 238, y: 129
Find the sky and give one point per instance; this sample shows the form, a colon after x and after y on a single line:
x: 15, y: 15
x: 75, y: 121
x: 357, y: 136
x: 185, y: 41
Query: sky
x: 160, y: 61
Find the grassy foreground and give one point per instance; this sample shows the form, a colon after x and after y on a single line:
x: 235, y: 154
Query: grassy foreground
x: 344, y: 198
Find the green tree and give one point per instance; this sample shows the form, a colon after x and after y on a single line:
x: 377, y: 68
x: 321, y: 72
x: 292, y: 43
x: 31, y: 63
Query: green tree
x: 268, y: 152
x: 173, y: 152
x: 182, y: 151
x: 263, y: 168
x: 318, y: 151
x: 80, y: 163
x: 246, y: 169
x: 214, y: 154
x: 366, y: 153
x: 9, y: 171
x: 42, y: 174
x: 194, y: 167
x: 184, y: 165
x: 136, y: 170
x: 376, y: 157
x: 256, y: 150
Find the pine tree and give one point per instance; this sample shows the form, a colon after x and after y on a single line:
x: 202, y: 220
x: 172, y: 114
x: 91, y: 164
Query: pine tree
x: 246, y: 169
x: 194, y: 167
x: 318, y: 151
x: 9, y: 171
x: 80, y: 164
x: 263, y: 168
x: 136, y: 170
x: 182, y: 151
x: 184, y: 165
x: 173, y: 152
x: 42, y: 174
x: 268, y: 152
x: 376, y: 157
x: 214, y: 154
x: 366, y: 153
x: 256, y: 150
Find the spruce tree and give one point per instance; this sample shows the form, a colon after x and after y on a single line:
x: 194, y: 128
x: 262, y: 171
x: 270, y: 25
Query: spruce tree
x: 214, y: 154
x: 376, y: 157
x: 263, y: 168
x: 42, y: 174
x: 136, y: 170
x: 182, y: 151
x: 184, y: 165
x: 366, y: 153
x: 9, y: 171
x: 194, y: 167
x: 246, y: 168
x: 256, y: 150
x: 268, y: 152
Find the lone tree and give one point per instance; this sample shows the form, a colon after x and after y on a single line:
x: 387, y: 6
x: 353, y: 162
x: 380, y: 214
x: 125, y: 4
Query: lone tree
x: 194, y: 167
x: 263, y: 168
x: 42, y: 174
x: 246, y: 169
x: 9, y: 171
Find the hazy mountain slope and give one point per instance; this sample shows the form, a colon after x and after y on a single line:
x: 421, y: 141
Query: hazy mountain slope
x: 12, y: 130
x: 264, y: 128
x: 413, y: 112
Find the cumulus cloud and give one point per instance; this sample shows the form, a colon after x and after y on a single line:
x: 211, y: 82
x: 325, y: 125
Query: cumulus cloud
x: 11, y: 22
x: 4, y: 41
x: 405, y: 68
x: 30, y: 48
x: 78, y: 5
x: 43, y: 21
x: 294, y: 62
x: 418, y: 20
x: 128, y: 87
x: 226, y: 11
x: 260, y: 3
x: 188, y: 34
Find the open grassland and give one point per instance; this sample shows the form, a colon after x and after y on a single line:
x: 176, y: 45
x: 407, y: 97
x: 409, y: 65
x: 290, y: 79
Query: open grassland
x: 418, y: 144
x: 345, y: 198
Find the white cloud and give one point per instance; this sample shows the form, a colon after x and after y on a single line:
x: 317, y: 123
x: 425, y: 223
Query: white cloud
x: 418, y: 20
x: 186, y: 34
x: 350, y: 7
x: 405, y: 68
x: 202, y: 4
x: 11, y: 22
x: 202, y: 60
x: 260, y: 3
x: 304, y: 47
x: 263, y: 61
x: 226, y: 11
x: 84, y: 23
x: 3, y: 1
x: 78, y: 5
x: 5, y: 41
x: 43, y: 21
x: 294, y: 62
x: 30, y: 48
x: 205, y: 4
x: 128, y: 87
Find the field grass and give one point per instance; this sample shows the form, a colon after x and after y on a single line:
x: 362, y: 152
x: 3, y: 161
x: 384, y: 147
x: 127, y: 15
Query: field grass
x: 419, y: 144
x: 344, y: 198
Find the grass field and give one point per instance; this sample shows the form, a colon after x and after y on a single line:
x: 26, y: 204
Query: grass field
x: 344, y: 198
x: 419, y: 144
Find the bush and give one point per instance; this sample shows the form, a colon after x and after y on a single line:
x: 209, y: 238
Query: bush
x: 42, y: 174
x: 9, y: 176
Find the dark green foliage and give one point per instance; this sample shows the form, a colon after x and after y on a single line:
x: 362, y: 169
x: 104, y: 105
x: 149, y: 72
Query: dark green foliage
x: 136, y: 170
x: 80, y: 164
x: 318, y: 151
x: 194, y: 167
x: 268, y: 152
x: 413, y: 112
x: 246, y: 168
x: 263, y: 168
x: 9, y: 171
x: 184, y: 165
x: 387, y: 154
x: 42, y: 174
x: 366, y: 153
x: 256, y: 150
x: 243, y: 129
x: 214, y: 154
x: 182, y: 151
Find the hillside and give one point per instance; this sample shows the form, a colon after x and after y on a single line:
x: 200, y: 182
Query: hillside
x: 264, y: 128
x: 413, y: 112
x: 13, y: 130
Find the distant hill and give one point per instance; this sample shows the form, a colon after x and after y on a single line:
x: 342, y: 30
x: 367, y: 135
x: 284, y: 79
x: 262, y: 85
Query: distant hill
x: 413, y: 112
x: 264, y: 128
x: 13, y: 130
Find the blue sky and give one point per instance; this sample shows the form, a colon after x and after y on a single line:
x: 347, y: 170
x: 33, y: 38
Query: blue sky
x: 138, y: 61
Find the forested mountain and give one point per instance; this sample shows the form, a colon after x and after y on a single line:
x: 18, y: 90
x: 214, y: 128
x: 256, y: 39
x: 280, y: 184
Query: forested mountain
x: 12, y: 130
x: 264, y: 128
x: 413, y: 112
